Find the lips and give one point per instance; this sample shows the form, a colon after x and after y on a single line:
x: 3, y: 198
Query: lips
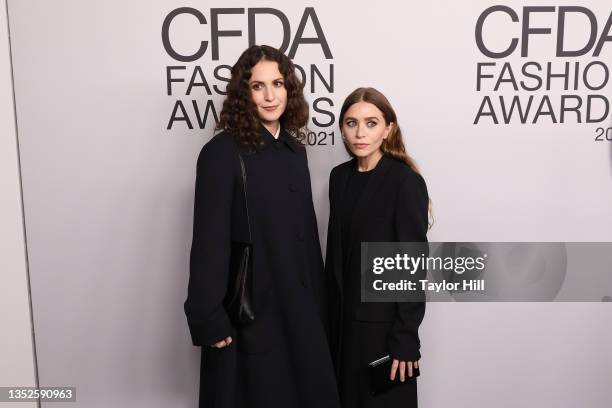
x: 360, y: 145
x: 270, y: 108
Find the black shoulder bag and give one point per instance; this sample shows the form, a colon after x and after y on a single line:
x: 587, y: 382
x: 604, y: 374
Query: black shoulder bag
x: 238, y: 300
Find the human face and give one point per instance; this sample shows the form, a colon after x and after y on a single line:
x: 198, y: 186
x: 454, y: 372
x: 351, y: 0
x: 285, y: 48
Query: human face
x: 364, y: 129
x: 268, y: 92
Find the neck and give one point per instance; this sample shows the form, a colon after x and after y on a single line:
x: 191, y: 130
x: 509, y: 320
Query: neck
x: 369, y: 162
x: 271, y: 126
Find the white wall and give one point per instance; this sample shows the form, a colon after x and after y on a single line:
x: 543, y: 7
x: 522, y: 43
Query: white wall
x: 108, y: 192
x: 17, y: 366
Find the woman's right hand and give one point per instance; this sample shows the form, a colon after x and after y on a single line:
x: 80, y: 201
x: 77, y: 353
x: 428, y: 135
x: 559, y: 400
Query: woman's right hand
x: 223, y: 343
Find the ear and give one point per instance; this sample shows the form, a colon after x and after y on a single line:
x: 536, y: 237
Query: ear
x: 389, y: 128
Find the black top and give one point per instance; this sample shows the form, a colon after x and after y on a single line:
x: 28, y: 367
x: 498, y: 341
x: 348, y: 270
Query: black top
x: 355, y: 186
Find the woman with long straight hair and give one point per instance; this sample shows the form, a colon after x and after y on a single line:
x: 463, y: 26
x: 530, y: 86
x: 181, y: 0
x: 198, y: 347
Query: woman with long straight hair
x: 377, y: 196
x: 282, y: 358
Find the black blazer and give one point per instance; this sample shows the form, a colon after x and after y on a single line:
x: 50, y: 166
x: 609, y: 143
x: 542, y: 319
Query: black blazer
x: 392, y: 207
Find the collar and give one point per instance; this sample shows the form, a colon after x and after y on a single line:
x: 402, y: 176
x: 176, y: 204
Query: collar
x: 283, y: 137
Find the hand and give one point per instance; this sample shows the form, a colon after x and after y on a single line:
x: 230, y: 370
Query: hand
x: 402, y: 365
x: 223, y: 343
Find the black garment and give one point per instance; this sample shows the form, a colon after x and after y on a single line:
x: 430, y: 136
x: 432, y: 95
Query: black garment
x: 355, y: 185
x: 364, y: 342
x: 392, y: 207
x: 283, y: 357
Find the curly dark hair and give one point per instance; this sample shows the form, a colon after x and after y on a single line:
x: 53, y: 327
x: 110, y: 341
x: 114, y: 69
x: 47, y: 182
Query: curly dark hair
x: 239, y: 112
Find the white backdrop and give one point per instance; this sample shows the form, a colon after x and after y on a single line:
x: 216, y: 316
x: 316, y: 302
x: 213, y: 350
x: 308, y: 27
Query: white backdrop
x: 17, y: 360
x: 108, y: 186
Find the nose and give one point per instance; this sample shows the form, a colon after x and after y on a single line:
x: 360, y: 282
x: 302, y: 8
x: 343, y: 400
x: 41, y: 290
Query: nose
x: 360, y: 134
x: 268, y: 94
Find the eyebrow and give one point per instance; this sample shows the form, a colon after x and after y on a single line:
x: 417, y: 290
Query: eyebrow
x: 277, y: 79
x: 368, y: 118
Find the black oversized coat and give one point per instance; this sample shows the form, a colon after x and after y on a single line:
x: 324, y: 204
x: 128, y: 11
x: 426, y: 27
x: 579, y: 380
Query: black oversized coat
x: 393, y: 207
x: 282, y: 358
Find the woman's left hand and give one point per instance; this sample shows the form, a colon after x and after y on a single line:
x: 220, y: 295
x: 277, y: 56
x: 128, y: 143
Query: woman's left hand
x: 405, y: 368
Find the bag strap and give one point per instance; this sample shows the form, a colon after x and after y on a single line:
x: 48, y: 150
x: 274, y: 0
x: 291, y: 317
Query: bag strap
x: 244, y: 189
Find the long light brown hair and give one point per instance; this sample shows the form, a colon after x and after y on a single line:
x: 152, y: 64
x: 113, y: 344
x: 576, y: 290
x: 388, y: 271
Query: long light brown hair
x: 393, y: 145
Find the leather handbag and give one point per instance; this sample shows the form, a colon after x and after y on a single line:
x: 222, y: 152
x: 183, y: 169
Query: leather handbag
x: 238, y: 301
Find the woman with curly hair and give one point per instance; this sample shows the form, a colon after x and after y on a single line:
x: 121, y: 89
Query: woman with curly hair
x: 282, y: 358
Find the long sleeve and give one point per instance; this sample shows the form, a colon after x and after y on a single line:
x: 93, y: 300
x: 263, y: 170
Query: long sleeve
x: 210, y: 250
x: 411, y: 226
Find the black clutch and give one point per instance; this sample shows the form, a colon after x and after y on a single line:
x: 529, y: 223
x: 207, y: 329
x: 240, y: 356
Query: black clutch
x: 238, y: 300
x: 379, y: 372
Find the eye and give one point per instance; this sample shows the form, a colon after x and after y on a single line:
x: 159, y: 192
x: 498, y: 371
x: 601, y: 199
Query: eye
x: 350, y: 123
x: 256, y: 86
x: 372, y: 123
x: 279, y: 84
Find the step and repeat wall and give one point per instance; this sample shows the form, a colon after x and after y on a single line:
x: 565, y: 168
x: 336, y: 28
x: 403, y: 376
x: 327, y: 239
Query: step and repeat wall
x: 504, y: 106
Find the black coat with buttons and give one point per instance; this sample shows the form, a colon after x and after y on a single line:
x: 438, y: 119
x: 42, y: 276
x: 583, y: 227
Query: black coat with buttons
x: 283, y: 356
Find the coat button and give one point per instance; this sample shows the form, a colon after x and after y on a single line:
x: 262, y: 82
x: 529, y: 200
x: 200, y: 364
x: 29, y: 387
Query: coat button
x: 293, y: 189
x: 300, y: 236
x: 277, y: 144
